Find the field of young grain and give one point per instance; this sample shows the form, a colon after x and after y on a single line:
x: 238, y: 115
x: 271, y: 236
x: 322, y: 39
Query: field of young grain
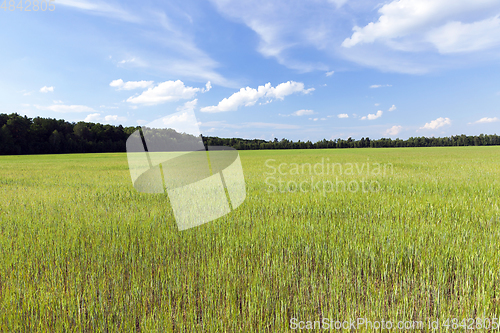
x: 81, y: 250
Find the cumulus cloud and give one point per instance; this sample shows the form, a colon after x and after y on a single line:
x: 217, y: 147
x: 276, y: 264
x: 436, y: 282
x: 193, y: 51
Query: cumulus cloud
x: 374, y: 86
x: 303, y: 112
x: 66, y: 108
x: 249, y: 96
x: 401, y: 18
x: 93, y: 118
x: 207, y: 88
x: 392, y: 108
x: 329, y: 73
x: 394, y: 130
x: 46, y: 89
x: 168, y: 91
x: 373, y: 116
x: 486, y: 120
x: 435, y: 124
x: 343, y: 115
x: 130, y: 85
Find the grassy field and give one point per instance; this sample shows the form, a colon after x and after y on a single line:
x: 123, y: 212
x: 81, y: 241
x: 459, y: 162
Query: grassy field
x: 81, y: 250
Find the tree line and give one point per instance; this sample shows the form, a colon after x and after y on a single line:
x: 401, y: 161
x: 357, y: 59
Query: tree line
x: 23, y: 135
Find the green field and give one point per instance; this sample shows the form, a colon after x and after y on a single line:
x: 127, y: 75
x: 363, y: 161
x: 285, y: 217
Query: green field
x: 81, y: 250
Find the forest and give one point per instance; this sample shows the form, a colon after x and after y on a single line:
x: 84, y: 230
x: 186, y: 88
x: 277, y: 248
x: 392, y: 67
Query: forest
x: 21, y: 135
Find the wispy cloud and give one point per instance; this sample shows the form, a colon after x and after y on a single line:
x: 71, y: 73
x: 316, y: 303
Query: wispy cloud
x: 392, y: 108
x: 101, y: 8
x: 486, y: 120
x: 182, y: 59
x: 66, y: 108
x: 114, y: 118
x: 374, y: 86
x: 224, y: 124
x: 96, y: 117
x: 46, y: 89
x: 303, y: 113
x: 329, y: 73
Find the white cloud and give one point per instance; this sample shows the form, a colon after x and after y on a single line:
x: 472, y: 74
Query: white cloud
x: 100, y: 8
x: 392, y: 108
x: 96, y: 117
x: 387, y: 41
x: 282, y: 27
x: 130, y: 85
x: 249, y: 96
x: 343, y: 115
x: 435, y: 124
x: 314, y: 119
x: 177, y: 54
x: 303, y: 113
x: 456, y: 36
x: 57, y: 102
x: 164, y: 92
x: 126, y: 61
x: 486, y: 120
x: 374, y: 86
x: 46, y: 89
x: 401, y: 18
x: 329, y: 73
x: 394, y: 130
x: 269, y: 125
x: 339, y: 3
x: 373, y: 116
x: 93, y: 118
x: 188, y: 106
x: 223, y: 124
x: 430, y: 28
x: 66, y: 108
x: 207, y: 88
x: 114, y: 118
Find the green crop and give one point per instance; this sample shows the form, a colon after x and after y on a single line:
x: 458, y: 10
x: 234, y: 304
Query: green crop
x: 82, y: 251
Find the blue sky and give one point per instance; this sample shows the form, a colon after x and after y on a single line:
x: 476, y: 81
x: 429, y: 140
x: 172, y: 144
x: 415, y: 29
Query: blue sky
x: 302, y: 70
